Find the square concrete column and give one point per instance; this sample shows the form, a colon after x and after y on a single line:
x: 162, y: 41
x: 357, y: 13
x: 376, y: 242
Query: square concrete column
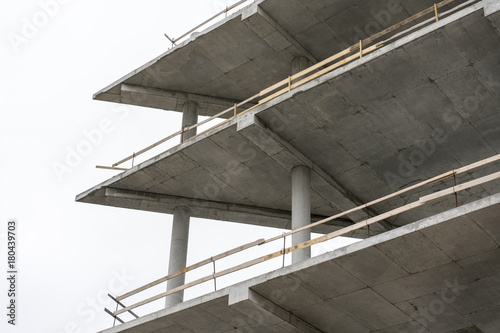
x: 301, y: 210
x: 178, y: 253
x: 189, y: 117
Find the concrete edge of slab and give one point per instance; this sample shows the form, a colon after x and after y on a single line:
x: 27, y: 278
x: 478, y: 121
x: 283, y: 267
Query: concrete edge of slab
x: 240, y: 292
x: 238, y: 295
x: 375, y: 54
x: 191, y: 38
x: 201, y: 136
x: 247, y: 118
x: 165, y: 312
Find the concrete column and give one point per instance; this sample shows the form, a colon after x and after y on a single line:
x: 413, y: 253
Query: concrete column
x: 182, y: 215
x: 189, y: 117
x: 301, y: 210
x: 178, y: 253
x: 301, y: 189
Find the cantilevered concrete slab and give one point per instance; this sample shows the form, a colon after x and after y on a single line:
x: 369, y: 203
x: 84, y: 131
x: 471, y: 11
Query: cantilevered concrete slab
x: 440, y: 274
x: 253, y: 49
x: 420, y: 106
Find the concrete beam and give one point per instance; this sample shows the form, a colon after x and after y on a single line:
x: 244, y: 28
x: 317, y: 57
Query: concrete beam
x: 173, y: 100
x: 162, y: 203
x: 249, y: 17
x: 248, y: 302
x: 270, y: 142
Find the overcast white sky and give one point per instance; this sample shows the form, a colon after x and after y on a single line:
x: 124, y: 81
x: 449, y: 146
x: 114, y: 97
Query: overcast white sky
x: 55, y: 55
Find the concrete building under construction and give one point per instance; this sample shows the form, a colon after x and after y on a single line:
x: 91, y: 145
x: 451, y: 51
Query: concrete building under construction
x: 374, y: 119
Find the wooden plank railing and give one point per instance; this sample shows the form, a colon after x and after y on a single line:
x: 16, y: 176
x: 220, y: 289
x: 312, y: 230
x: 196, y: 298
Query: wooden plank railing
x: 315, y: 71
x: 421, y: 201
x: 190, y: 268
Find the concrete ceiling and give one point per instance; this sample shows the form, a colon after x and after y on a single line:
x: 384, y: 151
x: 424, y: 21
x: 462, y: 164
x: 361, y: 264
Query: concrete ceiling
x: 437, y: 275
x: 423, y: 105
x: 212, y: 67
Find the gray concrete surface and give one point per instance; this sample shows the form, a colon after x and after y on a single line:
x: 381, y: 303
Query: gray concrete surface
x: 189, y: 118
x: 178, y: 252
x: 261, y: 39
x: 420, y: 106
x: 301, y: 210
x: 440, y: 274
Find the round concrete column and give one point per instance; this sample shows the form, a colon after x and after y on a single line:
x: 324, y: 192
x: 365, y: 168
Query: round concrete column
x: 299, y: 64
x: 301, y: 210
x: 189, y: 117
x: 178, y: 253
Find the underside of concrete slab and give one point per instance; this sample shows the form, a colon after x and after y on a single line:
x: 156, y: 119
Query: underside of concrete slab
x: 212, y: 67
x: 420, y: 106
x: 440, y: 274
x: 424, y: 102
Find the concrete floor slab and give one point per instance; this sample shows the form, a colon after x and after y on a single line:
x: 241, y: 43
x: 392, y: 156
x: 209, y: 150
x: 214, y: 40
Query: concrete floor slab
x: 329, y: 318
x: 482, y: 266
x: 378, y: 270
x: 412, y: 327
x: 434, y: 313
x: 412, y: 286
x: 447, y: 238
x: 330, y: 281
x: 483, y: 320
x: 214, y: 58
x: 371, y: 309
x: 365, y: 136
x: 451, y: 58
x: 414, y: 253
x: 388, y: 117
x: 417, y: 107
x: 287, y: 292
x: 460, y: 296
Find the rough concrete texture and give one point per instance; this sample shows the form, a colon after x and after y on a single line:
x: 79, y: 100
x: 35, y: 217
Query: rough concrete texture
x: 178, y: 253
x: 439, y: 274
x: 421, y: 105
x: 263, y: 39
x: 418, y: 107
x: 301, y: 210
